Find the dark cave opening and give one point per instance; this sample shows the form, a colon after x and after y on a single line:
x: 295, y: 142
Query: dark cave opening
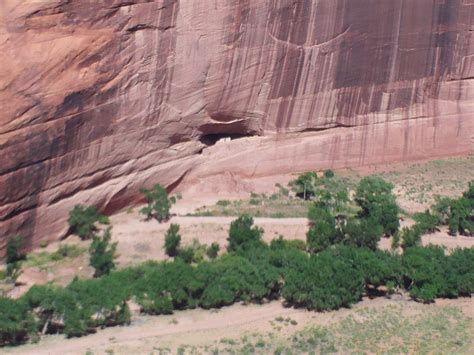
x: 213, y: 138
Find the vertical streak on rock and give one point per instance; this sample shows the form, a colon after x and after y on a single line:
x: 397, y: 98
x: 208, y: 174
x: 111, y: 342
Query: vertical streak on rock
x: 396, y: 43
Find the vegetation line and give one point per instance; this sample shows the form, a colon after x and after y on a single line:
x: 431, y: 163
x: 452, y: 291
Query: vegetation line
x: 337, y: 265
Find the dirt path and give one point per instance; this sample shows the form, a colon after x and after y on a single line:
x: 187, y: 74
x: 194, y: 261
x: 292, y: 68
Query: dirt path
x: 201, y: 327
x: 187, y: 327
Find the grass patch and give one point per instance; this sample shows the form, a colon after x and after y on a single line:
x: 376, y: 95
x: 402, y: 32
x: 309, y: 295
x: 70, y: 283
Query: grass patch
x: 258, y: 205
x: 421, y: 182
x: 278, y: 204
x: 44, y: 258
x: 440, y: 330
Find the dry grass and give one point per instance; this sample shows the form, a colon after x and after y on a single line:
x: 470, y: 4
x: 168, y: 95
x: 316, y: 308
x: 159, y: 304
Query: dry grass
x: 417, y: 184
x: 390, y: 329
x: 258, y: 205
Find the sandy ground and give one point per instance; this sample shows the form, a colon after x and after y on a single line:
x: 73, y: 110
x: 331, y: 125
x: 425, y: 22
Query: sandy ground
x: 148, y: 243
x: 199, y: 327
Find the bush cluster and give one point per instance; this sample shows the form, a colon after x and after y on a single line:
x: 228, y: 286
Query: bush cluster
x: 172, y: 240
x: 193, y: 253
x: 343, y: 265
x: 378, y: 203
x: 82, y: 220
x: 458, y: 214
x: 426, y: 222
x: 158, y: 203
x: 336, y: 277
x: 309, y: 185
x: 102, y: 253
x: 243, y: 235
x: 377, y: 215
x: 14, y: 258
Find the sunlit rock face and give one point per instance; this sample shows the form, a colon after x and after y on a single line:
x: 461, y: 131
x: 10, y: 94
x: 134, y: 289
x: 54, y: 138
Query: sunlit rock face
x: 99, y: 98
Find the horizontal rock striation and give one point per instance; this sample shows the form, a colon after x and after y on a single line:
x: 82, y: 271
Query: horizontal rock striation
x: 99, y: 98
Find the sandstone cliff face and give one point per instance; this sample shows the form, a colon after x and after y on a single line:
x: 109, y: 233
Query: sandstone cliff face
x: 99, y: 98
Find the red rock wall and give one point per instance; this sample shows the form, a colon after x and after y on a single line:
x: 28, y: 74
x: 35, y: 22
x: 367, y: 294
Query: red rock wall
x: 100, y: 97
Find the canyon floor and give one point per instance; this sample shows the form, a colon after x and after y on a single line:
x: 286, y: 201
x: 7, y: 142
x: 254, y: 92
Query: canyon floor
x: 372, y: 326
x: 380, y: 325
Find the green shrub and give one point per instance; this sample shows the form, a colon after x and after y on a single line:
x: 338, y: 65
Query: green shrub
x: 305, y: 185
x: 102, y: 253
x: 13, y: 271
x: 459, y: 273
x: 49, y: 304
x: 194, y: 253
x: 329, y: 174
x: 96, y: 304
x: 442, y: 208
x: 171, y: 280
x: 82, y: 221
x: 323, y: 230
x: 321, y: 236
x: 379, y: 268
x: 213, y: 250
x: 158, y: 203
x: 16, y: 322
x: 377, y: 202
x: 172, y: 240
x: 231, y: 279
x: 243, y: 235
x: 396, y: 241
x: 186, y: 254
x: 362, y: 233
x: 461, y: 218
x: 84, y: 304
x: 458, y: 214
x: 156, y: 304
x: 426, y: 222
x: 75, y: 324
x: 410, y: 237
x: 14, y: 258
x: 326, y: 282
x: 281, y: 243
x: 14, y: 246
x: 423, y: 272
x: 255, y: 201
x: 469, y: 193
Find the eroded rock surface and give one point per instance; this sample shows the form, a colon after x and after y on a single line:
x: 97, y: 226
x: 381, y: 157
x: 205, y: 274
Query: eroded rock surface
x: 99, y: 98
